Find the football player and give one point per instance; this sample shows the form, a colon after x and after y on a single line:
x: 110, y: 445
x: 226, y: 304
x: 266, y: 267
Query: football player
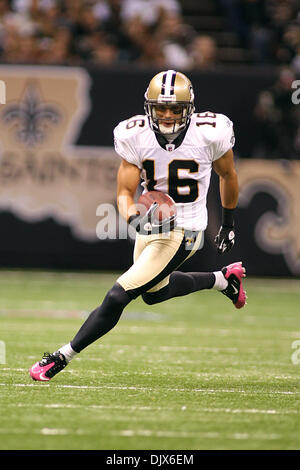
x: 173, y: 149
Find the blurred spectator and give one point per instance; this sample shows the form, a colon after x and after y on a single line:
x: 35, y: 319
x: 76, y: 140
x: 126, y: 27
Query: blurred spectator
x: 110, y: 14
x: 234, y: 18
x: 149, y: 32
x: 203, y: 52
x: 295, y: 63
x: 152, y: 55
x: 57, y: 49
x: 261, y: 26
x: 28, y: 51
x: 149, y: 11
x: 174, y: 38
x: 24, y: 6
x: 278, y: 120
x: 4, y: 10
x: 84, y: 26
x: 104, y: 54
x: 249, y: 19
x: 290, y: 46
x: 281, y: 15
x: 10, y: 44
x: 136, y: 36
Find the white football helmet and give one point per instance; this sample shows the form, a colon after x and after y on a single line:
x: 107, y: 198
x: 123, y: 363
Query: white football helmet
x: 171, y: 89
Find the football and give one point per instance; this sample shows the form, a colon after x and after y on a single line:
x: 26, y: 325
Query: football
x: 166, y: 206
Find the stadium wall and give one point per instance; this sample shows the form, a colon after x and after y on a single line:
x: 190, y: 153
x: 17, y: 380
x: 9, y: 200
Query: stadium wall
x: 58, y: 168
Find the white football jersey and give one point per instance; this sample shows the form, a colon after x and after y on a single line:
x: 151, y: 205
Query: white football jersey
x: 181, y: 169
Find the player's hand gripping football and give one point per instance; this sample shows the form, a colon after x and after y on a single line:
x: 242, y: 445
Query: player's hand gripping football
x: 225, y: 239
x: 148, y: 224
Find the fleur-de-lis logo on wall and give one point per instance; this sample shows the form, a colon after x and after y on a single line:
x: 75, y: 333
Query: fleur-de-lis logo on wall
x: 276, y: 232
x: 31, y: 117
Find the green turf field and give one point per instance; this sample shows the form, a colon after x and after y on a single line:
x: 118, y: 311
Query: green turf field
x: 190, y: 373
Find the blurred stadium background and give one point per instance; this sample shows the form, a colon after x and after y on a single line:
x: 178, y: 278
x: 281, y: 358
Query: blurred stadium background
x: 73, y: 69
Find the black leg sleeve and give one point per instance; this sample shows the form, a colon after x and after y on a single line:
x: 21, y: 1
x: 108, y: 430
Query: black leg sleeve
x: 181, y: 284
x: 102, y: 319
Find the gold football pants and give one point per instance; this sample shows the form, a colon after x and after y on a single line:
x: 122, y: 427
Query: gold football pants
x: 156, y: 257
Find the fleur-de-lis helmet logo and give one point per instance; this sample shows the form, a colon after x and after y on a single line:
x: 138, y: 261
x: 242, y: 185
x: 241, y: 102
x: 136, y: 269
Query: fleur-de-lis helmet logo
x: 31, y: 117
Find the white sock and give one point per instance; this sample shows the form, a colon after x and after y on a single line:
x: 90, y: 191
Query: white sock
x: 221, y: 283
x: 68, y: 352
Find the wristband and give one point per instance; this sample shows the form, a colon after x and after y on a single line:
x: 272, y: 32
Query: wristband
x: 227, y: 217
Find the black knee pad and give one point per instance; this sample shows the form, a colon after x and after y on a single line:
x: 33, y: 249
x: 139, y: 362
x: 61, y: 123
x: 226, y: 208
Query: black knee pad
x: 148, y: 298
x: 151, y: 298
x: 116, y: 297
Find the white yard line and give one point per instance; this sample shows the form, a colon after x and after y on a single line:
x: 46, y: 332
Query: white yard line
x: 54, y: 431
x: 197, y: 435
x: 167, y: 348
x: 149, y: 433
x: 249, y: 411
x: 153, y: 408
x: 150, y: 389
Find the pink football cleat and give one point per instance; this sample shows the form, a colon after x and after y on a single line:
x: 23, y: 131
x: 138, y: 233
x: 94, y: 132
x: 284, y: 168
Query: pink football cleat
x: 234, y: 291
x: 49, y: 366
